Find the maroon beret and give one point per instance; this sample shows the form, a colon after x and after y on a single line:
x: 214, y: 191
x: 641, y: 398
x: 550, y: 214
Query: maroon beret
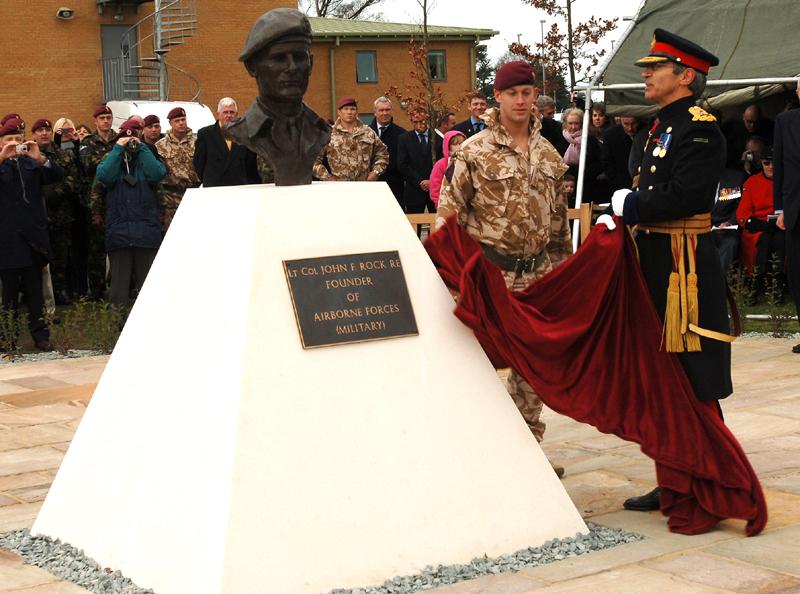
x: 131, y: 125
x: 102, y: 110
x: 514, y: 73
x: 41, y: 123
x: 12, y: 126
x: 151, y: 120
x: 176, y: 112
x: 345, y: 101
x: 10, y: 116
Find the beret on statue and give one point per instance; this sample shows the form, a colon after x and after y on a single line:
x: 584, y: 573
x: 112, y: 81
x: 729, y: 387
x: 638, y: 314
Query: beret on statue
x: 274, y: 25
x: 514, y: 73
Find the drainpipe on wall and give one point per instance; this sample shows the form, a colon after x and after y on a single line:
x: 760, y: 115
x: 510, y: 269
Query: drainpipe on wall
x: 473, y: 80
x: 331, y: 52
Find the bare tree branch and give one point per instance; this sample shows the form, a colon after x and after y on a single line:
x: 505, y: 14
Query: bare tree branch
x: 341, y: 9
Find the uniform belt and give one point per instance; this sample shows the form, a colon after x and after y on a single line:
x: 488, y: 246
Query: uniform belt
x: 695, y: 225
x: 512, y: 263
x: 681, y: 319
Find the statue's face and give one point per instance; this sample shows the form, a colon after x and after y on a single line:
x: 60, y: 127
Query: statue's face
x: 282, y: 70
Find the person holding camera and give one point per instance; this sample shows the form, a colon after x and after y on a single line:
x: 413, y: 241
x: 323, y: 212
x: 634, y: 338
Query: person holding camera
x: 129, y: 174
x: 61, y: 200
x: 24, y: 242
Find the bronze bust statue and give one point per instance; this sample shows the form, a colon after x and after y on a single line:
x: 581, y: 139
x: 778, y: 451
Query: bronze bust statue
x: 278, y: 125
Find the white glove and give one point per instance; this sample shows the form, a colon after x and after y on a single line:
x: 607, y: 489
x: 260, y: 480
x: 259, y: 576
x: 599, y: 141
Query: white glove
x: 618, y: 201
x: 607, y: 221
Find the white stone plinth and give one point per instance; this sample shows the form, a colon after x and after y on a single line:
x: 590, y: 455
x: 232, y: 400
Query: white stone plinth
x: 218, y: 456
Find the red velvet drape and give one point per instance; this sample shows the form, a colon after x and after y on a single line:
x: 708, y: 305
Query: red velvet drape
x: 587, y: 338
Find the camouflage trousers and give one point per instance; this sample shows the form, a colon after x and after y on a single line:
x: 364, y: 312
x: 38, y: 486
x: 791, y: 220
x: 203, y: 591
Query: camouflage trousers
x: 169, y: 199
x: 97, y: 269
x: 524, y: 396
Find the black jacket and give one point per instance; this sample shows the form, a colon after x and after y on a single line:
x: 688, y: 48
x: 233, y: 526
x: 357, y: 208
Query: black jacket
x: 415, y: 164
x: 217, y: 166
x: 392, y: 176
x: 786, y: 159
x: 678, y: 181
x: 616, y: 150
x: 23, y: 222
x: 552, y: 132
x: 466, y: 127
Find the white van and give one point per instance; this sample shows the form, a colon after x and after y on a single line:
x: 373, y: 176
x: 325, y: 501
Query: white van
x: 198, y: 115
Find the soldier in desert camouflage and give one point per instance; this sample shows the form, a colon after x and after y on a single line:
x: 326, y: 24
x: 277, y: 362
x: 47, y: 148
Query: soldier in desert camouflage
x: 355, y: 153
x: 176, y: 150
x: 507, y: 192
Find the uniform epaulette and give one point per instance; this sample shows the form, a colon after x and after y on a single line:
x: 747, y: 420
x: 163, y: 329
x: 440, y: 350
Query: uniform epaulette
x: 701, y: 115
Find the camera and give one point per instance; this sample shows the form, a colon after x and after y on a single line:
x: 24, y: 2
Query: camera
x: 132, y: 144
x: 748, y: 156
x: 65, y: 13
x: 22, y: 148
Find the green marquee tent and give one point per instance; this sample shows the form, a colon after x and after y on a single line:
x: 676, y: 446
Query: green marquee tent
x: 753, y: 39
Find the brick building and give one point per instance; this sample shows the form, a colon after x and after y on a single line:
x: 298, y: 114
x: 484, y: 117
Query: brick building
x: 65, y: 66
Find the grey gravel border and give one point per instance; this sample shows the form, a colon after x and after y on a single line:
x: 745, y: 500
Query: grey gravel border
x: 51, y: 356
x: 599, y: 538
x: 69, y: 563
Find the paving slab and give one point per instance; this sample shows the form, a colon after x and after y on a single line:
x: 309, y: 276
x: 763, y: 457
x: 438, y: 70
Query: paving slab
x: 628, y: 580
x: 776, y: 549
x: 764, y: 413
x: 506, y: 583
x: 724, y: 573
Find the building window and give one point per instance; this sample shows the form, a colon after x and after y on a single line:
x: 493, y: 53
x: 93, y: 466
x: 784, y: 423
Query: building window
x: 366, y: 67
x: 437, y: 63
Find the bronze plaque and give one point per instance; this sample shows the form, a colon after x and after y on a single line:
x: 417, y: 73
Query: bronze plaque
x: 351, y: 298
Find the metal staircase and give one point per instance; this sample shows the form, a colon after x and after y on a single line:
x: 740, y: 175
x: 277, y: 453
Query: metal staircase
x: 142, y: 72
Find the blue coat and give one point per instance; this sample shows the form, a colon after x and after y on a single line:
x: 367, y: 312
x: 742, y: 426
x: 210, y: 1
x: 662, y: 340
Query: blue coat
x: 23, y: 222
x: 131, y: 217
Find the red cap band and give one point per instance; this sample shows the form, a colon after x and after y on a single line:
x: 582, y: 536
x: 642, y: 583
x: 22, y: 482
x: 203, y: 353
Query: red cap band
x: 659, y: 47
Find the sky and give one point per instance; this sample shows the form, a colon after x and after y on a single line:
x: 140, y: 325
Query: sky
x: 509, y: 17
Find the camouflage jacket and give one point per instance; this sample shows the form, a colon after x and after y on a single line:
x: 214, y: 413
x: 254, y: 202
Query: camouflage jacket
x: 507, y: 197
x: 352, y: 155
x: 93, y: 150
x: 265, y: 171
x: 177, y: 156
x: 60, y: 198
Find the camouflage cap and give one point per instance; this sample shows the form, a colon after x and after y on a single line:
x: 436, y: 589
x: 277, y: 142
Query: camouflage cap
x: 274, y: 25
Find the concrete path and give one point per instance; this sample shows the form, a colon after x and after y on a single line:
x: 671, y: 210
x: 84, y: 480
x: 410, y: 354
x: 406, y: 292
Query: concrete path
x: 42, y: 403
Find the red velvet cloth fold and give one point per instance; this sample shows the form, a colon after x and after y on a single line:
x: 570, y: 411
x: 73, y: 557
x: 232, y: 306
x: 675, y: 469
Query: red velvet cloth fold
x: 587, y: 338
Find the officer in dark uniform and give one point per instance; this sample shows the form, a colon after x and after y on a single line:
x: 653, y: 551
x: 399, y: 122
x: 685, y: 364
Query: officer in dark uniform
x: 683, y: 160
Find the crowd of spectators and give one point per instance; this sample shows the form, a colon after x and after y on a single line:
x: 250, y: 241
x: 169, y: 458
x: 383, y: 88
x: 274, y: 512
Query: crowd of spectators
x: 86, y: 207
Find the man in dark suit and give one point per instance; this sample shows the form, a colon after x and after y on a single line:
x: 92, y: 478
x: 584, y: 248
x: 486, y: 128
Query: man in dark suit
x: 221, y: 162
x: 383, y: 125
x: 616, y: 150
x: 473, y: 124
x: 786, y: 193
x: 446, y: 123
x: 414, y: 162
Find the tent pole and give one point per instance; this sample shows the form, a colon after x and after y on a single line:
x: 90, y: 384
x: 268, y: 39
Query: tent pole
x: 587, y: 117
